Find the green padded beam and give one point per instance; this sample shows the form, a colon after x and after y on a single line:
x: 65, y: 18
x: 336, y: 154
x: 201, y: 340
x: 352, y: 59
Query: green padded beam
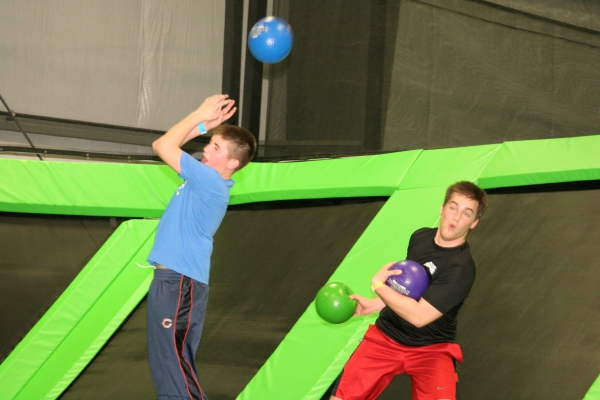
x: 445, y: 166
x: 130, y: 190
x: 113, y: 190
x: 343, y: 177
x: 594, y: 392
x: 537, y: 162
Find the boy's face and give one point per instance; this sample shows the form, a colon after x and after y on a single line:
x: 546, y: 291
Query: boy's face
x: 216, y: 155
x: 458, y: 216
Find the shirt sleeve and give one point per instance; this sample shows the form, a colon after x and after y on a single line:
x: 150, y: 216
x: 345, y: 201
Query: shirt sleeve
x: 451, y: 287
x: 418, y: 235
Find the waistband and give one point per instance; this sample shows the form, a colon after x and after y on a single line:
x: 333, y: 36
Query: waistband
x: 453, y: 349
x: 170, y: 275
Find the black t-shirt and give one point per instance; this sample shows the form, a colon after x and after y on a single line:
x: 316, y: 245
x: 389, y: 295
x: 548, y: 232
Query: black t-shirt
x: 451, y: 273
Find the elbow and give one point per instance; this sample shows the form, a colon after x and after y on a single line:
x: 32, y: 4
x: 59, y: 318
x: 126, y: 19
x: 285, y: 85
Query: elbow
x: 415, y: 320
x: 156, y: 146
x: 419, y: 324
x: 421, y: 321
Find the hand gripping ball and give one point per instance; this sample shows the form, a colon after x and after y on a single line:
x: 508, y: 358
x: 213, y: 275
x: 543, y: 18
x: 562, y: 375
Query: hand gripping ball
x: 333, y: 304
x: 412, y: 282
x: 270, y: 40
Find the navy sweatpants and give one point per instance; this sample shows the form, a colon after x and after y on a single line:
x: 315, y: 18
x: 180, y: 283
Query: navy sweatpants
x: 175, y: 316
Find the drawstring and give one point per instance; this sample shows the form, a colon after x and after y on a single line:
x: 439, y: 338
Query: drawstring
x: 145, y: 266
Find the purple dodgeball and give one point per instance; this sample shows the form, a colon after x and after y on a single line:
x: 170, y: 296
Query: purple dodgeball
x: 412, y: 282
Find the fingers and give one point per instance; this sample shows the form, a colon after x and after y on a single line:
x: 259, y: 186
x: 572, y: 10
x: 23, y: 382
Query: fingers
x: 228, y: 110
x: 230, y: 113
x: 227, y: 104
x: 216, y: 109
x: 359, y: 310
x: 387, y: 267
x: 225, y: 116
x: 215, y: 102
x: 217, y: 98
x: 391, y: 272
x: 385, y: 272
x: 222, y: 103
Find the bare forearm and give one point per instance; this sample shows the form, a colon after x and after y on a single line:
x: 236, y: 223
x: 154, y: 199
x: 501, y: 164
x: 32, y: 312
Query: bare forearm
x: 378, y: 304
x: 194, y: 133
x: 179, y: 134
x: 367, y: 306
x: 213, y: 111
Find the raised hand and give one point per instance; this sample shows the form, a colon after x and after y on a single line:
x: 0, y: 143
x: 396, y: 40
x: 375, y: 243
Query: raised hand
x: 215, y: 110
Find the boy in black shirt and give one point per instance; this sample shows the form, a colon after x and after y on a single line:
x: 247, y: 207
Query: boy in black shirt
x: 419, y: 337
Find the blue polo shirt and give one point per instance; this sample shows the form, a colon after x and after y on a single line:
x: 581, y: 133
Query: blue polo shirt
x: 184, y: 237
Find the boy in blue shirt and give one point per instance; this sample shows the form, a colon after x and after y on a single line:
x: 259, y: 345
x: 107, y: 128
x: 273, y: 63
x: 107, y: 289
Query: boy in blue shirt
x: 184, y: 239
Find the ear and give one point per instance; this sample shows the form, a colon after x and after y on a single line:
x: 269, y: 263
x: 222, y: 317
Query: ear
x: 233, y: 163
x: 474, y: 224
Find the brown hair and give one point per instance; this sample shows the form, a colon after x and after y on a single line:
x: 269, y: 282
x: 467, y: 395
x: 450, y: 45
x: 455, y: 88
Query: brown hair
x: 470, y: 190
x: 241, y: 143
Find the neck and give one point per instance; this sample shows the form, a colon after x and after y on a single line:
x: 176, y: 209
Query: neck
x: 440, y: 241
x: 226, y: 175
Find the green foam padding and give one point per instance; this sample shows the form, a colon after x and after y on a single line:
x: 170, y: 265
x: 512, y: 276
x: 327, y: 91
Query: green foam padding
x: 68, y: 188
x: 415, y: 180
x: 594, y: 392
x: 129, y: 190
x: 83, y: 318
x: 444, y: 166
x: 343, y: 177
x: 537, y: 162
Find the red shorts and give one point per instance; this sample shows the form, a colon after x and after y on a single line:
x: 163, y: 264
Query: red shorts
x: 378, y: 359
